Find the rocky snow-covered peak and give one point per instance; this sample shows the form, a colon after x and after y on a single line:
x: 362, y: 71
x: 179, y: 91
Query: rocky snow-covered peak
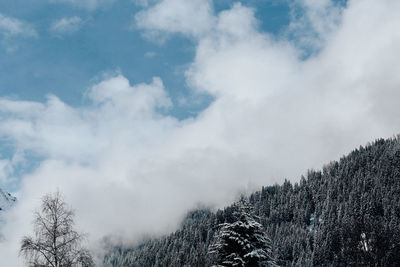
x: 6, y: 200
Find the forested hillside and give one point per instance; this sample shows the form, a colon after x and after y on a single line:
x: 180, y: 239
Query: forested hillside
x: 346, y: 214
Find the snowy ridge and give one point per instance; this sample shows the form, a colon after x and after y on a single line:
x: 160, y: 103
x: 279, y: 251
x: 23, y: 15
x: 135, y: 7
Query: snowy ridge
x: 6, y: 202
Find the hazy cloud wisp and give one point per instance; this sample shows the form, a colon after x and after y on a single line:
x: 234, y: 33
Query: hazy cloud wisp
x: 86, y: 4
x: 12, y: 27
x: 66, y: 25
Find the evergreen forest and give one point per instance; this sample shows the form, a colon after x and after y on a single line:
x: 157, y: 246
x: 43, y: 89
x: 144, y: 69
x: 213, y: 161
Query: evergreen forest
x: 347, y: 214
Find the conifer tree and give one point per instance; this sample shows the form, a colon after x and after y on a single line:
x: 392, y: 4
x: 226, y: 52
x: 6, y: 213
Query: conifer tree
x: 242, y: 242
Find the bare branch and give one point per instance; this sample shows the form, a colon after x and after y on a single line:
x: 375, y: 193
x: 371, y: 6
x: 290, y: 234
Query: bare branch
x: 56, y: 243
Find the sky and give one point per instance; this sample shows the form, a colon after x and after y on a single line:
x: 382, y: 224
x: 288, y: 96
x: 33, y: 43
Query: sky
x: 138, y: 111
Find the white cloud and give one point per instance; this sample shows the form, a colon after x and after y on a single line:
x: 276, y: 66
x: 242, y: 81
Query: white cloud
x: 312, y: 22
x: 177, y: 16
x: 66, y: 25
x: 86, y: 4
x: 5, y: 170
x: 12, y: 27
x: 128, y: 169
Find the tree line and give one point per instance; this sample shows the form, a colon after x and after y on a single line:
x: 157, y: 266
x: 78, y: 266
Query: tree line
x: 347, y: 214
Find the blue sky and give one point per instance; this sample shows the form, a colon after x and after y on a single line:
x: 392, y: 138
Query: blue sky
x: 103, y: 40
x: 106, y: 40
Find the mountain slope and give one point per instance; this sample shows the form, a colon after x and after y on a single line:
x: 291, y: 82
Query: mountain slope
x: 6, y: 201
x: 348, y: 214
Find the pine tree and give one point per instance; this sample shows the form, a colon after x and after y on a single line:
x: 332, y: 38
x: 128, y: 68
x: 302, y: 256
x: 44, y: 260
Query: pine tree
x: 242, y: 242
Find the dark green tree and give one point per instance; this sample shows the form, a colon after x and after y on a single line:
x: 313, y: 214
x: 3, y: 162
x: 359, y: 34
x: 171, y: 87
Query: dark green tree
x: 242, y: 242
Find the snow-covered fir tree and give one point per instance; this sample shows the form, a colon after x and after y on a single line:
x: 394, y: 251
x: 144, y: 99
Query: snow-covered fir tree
x: 243, y: 242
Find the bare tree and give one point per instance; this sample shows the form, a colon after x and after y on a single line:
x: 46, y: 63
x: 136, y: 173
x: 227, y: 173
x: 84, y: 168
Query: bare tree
x: 56, y: 243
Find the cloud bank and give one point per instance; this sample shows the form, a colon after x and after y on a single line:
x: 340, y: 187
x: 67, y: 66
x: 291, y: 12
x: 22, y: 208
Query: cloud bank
x: 129, y: 169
